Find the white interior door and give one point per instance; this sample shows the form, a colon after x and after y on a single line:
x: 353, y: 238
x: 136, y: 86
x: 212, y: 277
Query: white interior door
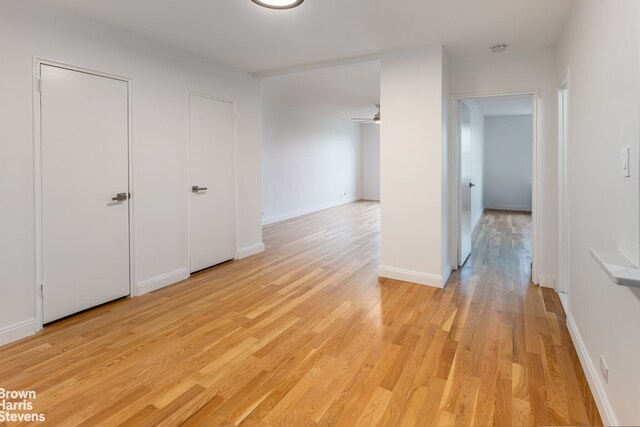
x: 85, y: 164
x: 464, y: 118
x: 212, y: 204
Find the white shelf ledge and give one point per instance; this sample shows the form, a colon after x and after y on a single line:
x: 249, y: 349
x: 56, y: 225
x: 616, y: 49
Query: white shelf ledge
x: 618, y: 267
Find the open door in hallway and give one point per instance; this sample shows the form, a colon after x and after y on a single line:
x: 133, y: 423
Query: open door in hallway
x: 495, y: 156
x: 466, y: 186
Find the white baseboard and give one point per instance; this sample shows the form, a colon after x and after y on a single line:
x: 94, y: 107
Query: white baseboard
x: 476, y: 220
x: 250, y: 250
x: 411, y: 276
x: 162, y: 281
x: 370, y: 198
x: 18, y: 331
x: 519, y: 208
x: 306, y: 211
x: 547, y: 281
x: 592, y: 374
x: 444, y: 279
x: 564, y: 300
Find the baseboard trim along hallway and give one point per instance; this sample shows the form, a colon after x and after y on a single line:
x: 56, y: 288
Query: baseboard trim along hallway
x: 18, y: 331
x: 593, y: 375
x: 306, y: 211
x: 411, y: 276
x: 162, y: 281
x: 251, y: 250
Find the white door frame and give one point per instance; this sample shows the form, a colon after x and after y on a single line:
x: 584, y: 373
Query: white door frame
x: 454, y: 191
x: 459, y: 258
x: 37, y: 174
x: 564, y: 154
x: 235, y: 172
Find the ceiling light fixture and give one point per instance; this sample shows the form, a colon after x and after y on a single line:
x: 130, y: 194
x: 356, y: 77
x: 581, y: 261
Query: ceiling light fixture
x: 278, y: 4
x: 376, y: 119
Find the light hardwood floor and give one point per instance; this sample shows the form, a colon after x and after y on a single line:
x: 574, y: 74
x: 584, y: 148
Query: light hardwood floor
x: 306, y: 334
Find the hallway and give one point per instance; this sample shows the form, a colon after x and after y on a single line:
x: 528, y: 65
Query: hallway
x: 521, y: 325
x: 306, y: 334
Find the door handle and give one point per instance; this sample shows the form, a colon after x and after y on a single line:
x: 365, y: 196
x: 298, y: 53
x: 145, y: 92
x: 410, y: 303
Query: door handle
x: 471, y: 185
x: 196, y: 189
x: 120, y: 197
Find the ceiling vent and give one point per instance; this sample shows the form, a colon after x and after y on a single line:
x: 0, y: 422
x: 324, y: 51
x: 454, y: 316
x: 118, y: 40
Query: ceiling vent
x: 499, y: 48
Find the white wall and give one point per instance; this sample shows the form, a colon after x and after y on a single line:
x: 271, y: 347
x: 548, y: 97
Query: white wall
x: 534, y: 70
x: 370, y: 161
x: 508, y: 163
x: 477, y: 162
x: 411, y: 174
x: 600, y: 46
x: 310, y: 162
x: 162, y: 77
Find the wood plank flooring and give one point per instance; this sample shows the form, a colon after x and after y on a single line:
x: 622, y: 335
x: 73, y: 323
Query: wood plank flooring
x: 306, y: 334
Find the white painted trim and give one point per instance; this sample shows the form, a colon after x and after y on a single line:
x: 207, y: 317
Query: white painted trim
x: 476, y: 220
x: 370, y: 198
x: 454, y: 166
x: 302, y: 212
x: 547, y: 281
x: 37, y: 172
x: 250, y: 250
x: 564, y: 300
x: 563, y: 191
x: 515, y: 208
x: 162, y: 281
x: 592, y: 374
x: 18, y: 331
x: 426, y: 279
x: 235, y: 171
x: 445, y: 277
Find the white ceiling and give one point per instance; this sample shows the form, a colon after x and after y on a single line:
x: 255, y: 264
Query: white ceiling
x: 255, y: 39
x: 503, y: 106
x: 344, y: 91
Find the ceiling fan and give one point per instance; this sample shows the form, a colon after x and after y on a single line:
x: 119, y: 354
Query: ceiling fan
x: 376, y: 119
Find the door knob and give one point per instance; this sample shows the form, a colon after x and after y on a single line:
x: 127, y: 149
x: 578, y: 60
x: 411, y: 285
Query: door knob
x: 120, y: 197
x: 197, y: 189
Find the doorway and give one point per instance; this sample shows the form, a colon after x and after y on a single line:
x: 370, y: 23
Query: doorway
x: 83, y: 190
x: 494, y: 166
x: 563, y: 197
x: 211, y: 181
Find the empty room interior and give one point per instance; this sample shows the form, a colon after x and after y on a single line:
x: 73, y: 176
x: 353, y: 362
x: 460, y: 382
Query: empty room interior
x: 319, y: 212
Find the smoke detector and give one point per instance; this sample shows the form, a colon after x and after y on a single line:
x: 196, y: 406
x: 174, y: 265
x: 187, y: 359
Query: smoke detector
x: 499, y: 48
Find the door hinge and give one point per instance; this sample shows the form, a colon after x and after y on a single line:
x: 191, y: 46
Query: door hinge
x: 42, y: 290
x: 40, y: 83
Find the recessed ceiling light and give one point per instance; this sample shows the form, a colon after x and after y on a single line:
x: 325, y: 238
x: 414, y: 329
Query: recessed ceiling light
x: 498, y: 48
x: 278, y: 4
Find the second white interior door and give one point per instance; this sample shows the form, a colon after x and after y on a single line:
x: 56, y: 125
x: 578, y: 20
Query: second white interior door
x: 212, y: 177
